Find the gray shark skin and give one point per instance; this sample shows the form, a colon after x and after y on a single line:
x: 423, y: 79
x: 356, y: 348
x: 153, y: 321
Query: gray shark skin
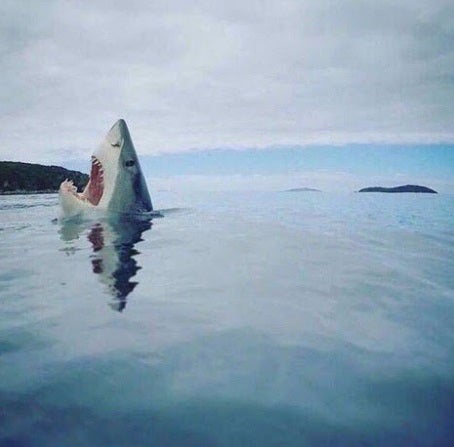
x: 116, y: 180
x: 131, y: 193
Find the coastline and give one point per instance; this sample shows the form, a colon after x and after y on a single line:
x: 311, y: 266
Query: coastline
x: 21, y: 192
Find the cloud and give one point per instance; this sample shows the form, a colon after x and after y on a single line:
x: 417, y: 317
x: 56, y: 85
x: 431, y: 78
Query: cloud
x: 211, y: 74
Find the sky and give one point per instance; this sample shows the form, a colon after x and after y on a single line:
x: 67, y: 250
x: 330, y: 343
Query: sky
x: 308, y: 90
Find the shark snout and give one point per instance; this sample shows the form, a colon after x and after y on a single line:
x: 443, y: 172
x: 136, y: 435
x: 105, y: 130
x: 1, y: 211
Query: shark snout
x: 120, y: 126
x: 118, y: 133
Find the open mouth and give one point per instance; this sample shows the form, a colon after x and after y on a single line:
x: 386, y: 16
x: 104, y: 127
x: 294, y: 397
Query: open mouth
x: 95, y: 187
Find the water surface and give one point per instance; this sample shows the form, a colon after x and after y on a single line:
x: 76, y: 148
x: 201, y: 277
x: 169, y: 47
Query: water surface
x: 268, y: 319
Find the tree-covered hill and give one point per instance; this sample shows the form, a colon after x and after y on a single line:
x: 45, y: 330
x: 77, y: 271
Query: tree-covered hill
x: 28, y: 177
x: 403, y: 188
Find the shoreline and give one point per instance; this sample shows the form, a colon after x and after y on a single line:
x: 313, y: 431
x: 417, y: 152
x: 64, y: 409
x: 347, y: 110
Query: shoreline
x: 27, y: 193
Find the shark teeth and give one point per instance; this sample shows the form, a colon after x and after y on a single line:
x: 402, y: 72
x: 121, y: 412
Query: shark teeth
x: 68, y: 186
x: 95, y: 188
x: 98, y: 164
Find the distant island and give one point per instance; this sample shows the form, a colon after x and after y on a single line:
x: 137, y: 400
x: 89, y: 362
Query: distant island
x: 29, y: 178
x: 302, y: 190
x: 404, y: 188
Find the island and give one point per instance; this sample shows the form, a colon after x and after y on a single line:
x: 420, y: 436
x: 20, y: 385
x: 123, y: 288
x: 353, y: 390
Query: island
x: 403, y: 188
x: 302, y: 190
x: 29, y: 178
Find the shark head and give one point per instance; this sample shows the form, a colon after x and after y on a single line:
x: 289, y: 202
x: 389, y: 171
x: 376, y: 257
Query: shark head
x: 116, y: 180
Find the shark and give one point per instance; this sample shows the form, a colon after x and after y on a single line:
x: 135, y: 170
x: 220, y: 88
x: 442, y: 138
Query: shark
x: 116, y: 183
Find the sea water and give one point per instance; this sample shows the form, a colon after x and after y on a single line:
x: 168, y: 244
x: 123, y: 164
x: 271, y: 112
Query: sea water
x: 237, y: 319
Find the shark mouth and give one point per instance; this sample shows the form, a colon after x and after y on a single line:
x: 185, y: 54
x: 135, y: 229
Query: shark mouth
x: 95, y: 188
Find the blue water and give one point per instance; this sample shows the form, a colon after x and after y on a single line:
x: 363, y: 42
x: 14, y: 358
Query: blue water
x: 244, y: 319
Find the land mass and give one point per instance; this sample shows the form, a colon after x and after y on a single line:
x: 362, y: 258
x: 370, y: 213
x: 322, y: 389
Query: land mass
x: 404, y: 188
x: 29, y: 178
x: 302, y: 190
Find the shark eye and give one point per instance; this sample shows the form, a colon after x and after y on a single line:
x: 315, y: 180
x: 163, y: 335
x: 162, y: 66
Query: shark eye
x: 115, y: 144
x: 130, y: 163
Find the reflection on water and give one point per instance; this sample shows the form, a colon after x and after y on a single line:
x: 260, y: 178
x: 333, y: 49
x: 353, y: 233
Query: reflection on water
x: 309, y: 322
x: 113, y: 259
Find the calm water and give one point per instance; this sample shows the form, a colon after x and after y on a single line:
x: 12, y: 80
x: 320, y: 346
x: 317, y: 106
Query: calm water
x: 261, y: 319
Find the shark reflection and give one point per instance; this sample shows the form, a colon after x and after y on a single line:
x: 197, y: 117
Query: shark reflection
x: 113, y: 258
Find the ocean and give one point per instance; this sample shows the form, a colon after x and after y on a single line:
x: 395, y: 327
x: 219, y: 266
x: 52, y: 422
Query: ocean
x: 237, y: 319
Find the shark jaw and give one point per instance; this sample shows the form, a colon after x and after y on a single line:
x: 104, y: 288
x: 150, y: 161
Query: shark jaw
x: 95, y: 187
x: 116, y: 181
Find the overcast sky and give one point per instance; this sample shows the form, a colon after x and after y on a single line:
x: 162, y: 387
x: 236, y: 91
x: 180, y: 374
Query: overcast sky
x: 207, y: 74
